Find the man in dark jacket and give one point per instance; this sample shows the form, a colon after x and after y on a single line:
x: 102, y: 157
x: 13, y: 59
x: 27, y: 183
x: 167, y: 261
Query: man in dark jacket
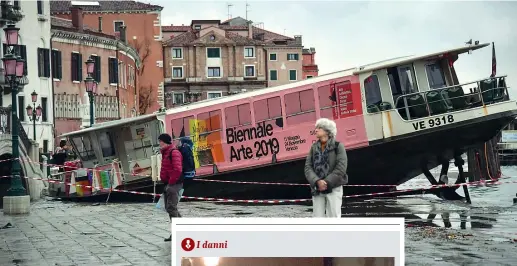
x: 171, y: 175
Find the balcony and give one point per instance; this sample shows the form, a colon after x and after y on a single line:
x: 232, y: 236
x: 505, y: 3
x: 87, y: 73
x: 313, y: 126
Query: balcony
x: 10, y: 13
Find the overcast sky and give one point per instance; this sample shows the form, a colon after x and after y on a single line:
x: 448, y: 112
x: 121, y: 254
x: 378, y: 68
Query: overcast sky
x: 348, y: 34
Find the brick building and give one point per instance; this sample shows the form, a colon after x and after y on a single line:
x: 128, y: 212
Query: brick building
x: 143, y: 32
x: 309, y: 66
x: 116, y: 64
x: 210, y: 58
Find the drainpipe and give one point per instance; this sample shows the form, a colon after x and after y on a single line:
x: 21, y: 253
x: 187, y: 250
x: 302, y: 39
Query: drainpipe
x: 266, y: 66
x: 53, y: 105
x: 164, y: 72
x: 118, y: 88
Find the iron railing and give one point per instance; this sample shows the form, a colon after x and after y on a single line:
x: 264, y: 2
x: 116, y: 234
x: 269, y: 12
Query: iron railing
x: 447, y: 99
x: 5, y: 120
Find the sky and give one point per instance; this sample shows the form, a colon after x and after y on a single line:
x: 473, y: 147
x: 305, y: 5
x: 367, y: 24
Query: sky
x: 353, y: 33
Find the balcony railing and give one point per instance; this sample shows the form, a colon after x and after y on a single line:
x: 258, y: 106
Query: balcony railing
x: 447, y: 99
x: 9, y: 13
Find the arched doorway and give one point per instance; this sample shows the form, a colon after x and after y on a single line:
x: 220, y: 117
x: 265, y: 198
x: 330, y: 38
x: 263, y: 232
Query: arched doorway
x: 5, y: 179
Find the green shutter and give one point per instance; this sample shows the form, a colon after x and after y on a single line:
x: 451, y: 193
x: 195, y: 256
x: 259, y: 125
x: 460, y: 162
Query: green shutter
x: 274, y: 75
x: 115, y: 67
x: 98, y: 68
x: 59, y: 66
x: 292, y: 74
x: 80, y: 67
x: 39, y: 63
x: 23, y: 54
x: 47, y: 62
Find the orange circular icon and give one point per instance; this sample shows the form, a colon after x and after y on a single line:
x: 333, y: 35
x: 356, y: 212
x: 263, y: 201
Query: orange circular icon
x: 187, y: 244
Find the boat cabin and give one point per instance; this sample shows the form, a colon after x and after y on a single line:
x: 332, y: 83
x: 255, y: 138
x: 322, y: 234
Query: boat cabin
x: 118, y: 151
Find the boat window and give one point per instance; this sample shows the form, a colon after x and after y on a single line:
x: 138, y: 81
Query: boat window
x: 209, y: 121
x: 83, y: 145
x: 269, y: 111
x: 407, y: 79
x: 327, y: 97
x: 106, y: 143
x: 300, y: 107
x: 239, y: 115
x: 372, y: 90
x: 181, y: 127
x: 435, y: 76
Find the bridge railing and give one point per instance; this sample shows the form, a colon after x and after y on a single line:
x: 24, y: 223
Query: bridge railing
x: 6, y: 125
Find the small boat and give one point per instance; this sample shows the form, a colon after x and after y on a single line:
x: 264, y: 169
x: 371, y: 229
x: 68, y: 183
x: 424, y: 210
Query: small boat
x: 397, y: 119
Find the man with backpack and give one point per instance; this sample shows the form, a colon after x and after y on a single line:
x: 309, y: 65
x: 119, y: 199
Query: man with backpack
x: 171, y: 175
x: 189, y: 166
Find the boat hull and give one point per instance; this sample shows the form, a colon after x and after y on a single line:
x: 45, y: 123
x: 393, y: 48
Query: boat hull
x: 386, y: 162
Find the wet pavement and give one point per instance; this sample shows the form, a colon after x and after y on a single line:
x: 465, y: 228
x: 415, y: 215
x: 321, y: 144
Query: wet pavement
x: 437, y: 232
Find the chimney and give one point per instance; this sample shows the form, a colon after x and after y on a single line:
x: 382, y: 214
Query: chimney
x: 298, y: 39
x: 100, y: 23
x: 77, y: 18
x: 250, y: 29
x: 123, y: 33
x: 313, y: 50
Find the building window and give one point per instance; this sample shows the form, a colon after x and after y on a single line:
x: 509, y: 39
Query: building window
x: 268, y: 110
x: 77, y: 67
x: 178, y: 98
x: 309, y: 77
x: 45, y: 146
x: 272, y: 57
x: 177, y: 72
x: 214, y: 72
x: 21, y: 108
x: 292, y: 74
x: 212, y: 95
x: 177, y: 53
x: 44, y: 109
x: 300, y: 107
x: 292, y: 57
x: 117, y: 25
x: 197, y: 27
x: 181, y: 127
x: 57, y: 71
x: 43, y: 62
x: 213, y: 52
x: 39, y: 3
x: 97, y: 68
x: 113, y: 70
x: 249, y: 71
x: 238, y: 115
x: 249, y: 52
x: 435, y: 76
x: 372, y: 90
x: 273, y: 74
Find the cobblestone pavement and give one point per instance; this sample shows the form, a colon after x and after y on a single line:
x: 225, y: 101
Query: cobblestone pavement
x: 60, y: 233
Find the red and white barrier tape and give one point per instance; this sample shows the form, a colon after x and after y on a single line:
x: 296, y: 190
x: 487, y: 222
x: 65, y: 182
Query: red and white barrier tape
x: 282, y: 200
x: 236, y: 182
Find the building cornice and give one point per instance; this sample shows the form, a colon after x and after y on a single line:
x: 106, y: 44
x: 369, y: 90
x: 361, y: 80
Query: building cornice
x: 93, y: 40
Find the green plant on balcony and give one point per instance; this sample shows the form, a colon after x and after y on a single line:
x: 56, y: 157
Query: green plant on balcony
x: 11, y: 13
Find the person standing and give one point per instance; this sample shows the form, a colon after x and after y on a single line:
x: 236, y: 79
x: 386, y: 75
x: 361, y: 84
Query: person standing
x: 60, y: 156
x: 171, y: 175
x: 325, y: 170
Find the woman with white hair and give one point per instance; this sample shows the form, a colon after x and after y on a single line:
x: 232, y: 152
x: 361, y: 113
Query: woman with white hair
x: 325, y: 169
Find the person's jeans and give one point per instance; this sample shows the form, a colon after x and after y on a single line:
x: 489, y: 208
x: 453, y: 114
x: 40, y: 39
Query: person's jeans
x: 171, y: 199
x: 328, y: 205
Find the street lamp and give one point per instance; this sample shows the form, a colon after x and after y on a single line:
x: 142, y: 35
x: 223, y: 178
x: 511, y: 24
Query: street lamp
x: 34, y: 113
x: 91, y: 86
x: 13, y: 67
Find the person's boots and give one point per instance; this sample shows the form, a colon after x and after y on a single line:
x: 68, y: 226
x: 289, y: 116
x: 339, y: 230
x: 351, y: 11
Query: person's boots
x: 168, y: 239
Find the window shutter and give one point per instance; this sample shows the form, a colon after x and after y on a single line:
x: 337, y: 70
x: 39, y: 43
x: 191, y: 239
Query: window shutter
x: 115, y: 67
x: 79, y: 67
x: 296, y: 56
x: 59, y: 66
x: 39, y: 63
x: 98, y: 68
x: 23, y: 54
x: 110, y: 70
x: 46, y: 56
x: 73, y: 67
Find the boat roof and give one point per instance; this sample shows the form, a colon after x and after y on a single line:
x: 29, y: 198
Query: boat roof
x: 408, y: 59
x: 110, y: 124
x: 343, y: 73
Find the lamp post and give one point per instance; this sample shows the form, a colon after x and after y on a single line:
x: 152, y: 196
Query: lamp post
x: 14, y: 74
x: 34, y: 113
x: 91, y: 86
